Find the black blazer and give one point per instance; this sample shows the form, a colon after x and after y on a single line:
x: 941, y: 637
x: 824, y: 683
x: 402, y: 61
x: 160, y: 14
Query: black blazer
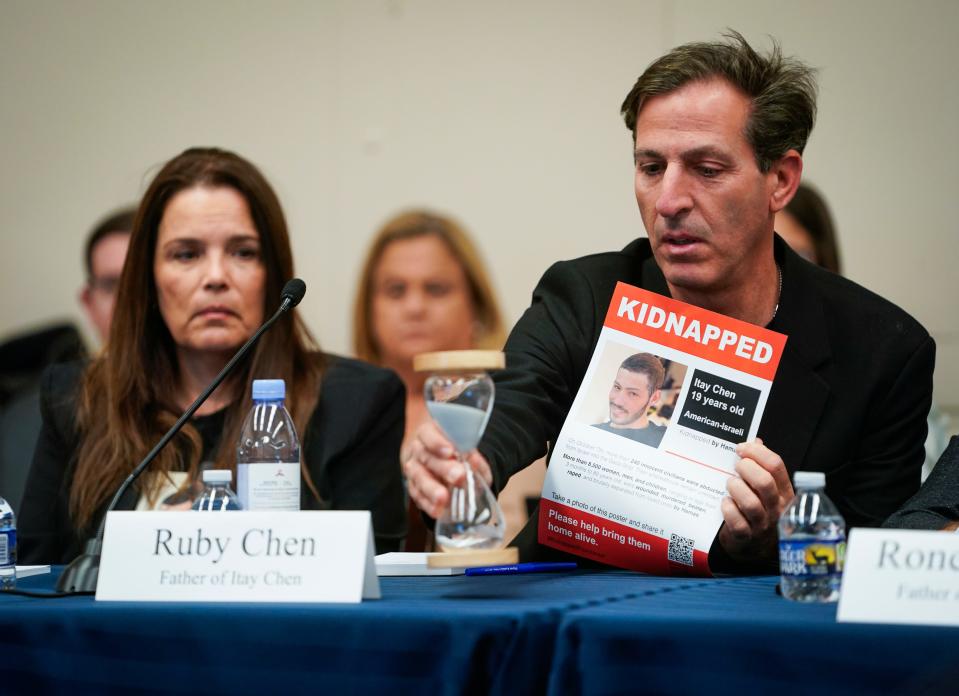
x: 850, y: 397
x: 937, y: 502
x: 351, y: 449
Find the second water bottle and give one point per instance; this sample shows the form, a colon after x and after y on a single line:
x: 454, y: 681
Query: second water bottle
x: 812, y: 542
x: 217, y: 495
x: 268, y: 453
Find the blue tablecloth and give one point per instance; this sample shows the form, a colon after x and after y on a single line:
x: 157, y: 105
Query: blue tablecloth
x: 582, y: 632
x: 429, y: 635
x: 739, y: 636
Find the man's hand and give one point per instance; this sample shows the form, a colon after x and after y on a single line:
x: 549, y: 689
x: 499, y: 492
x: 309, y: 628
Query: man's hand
x: 757, y: 497
x: 431, y: 467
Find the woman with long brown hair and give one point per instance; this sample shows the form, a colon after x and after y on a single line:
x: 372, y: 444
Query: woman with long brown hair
x: 208, y: 257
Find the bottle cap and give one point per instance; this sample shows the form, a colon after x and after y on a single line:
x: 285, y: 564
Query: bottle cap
x: 269, y: 389
x: 809, y: 479
x: 217, y: 476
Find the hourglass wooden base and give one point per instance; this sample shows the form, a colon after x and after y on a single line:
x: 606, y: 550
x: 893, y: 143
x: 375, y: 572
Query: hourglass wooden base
x: 473, y: 559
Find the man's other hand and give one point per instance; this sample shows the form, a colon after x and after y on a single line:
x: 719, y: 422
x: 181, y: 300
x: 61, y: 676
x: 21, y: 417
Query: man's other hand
x: 757, y: 498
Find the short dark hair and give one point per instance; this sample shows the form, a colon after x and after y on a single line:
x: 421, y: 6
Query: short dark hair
x: 120, y: 221
x: 782, y: 90
x: 810, y: 210
x: 646, y: 364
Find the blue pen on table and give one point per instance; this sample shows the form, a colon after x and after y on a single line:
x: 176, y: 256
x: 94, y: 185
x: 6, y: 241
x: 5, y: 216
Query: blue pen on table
x: 521, y: 568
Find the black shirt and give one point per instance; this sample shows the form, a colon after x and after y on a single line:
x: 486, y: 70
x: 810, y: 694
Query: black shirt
x: 351, y: 449
x: 850, y: 396
x: 651, y: 435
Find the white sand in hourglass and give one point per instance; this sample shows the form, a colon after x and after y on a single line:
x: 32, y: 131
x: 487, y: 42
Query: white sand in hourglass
x: 469, y: 519
x: 459, y: 396
x: 462, y: 424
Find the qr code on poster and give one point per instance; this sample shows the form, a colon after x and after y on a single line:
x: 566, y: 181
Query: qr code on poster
x: 680, y: 549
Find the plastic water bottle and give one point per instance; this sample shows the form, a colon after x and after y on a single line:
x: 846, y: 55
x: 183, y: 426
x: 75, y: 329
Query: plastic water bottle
x: 268, y: 453
x: 8, y: 546
x: 812, y: 542
x: 217, y: 494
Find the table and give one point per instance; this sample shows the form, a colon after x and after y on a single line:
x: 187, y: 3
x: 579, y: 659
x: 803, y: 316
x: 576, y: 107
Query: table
x: 739, y: 636
x: 428, y: 635
x: 583, y: 632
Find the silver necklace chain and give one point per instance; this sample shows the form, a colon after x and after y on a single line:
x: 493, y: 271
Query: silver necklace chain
x: 779, y: 294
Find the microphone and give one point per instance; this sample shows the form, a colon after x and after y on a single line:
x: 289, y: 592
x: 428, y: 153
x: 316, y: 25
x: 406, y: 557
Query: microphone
x: 292, y: 293
x: 82, y: 573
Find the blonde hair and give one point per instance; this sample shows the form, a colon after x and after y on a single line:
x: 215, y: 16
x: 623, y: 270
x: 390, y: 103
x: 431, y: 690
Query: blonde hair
x: 411, y: 224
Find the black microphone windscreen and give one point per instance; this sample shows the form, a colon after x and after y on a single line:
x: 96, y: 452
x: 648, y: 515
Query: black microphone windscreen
x: 294, y: 291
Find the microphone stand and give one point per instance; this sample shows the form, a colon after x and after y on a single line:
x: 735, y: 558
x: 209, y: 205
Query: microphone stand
x: 82, y: 573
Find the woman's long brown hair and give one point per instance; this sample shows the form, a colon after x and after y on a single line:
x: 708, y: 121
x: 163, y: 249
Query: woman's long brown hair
x: 127, y: 397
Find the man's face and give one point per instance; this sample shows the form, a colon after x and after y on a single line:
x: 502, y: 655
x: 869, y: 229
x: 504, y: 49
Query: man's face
x: 629, y: 397
x: 704, y: 202
x: 99, y: 295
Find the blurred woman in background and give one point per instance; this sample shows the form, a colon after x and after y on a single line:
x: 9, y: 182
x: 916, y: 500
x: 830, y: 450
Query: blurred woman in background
x: 422, y: 288
x: 208, y: 257
x: 806, y: 225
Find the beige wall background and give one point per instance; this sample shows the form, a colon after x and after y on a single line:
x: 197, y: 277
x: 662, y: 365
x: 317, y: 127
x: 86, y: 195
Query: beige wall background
x: 502, y: 113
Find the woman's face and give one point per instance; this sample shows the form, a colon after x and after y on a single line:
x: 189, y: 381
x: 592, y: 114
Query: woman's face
x: 208, y: 270
x: 421, y: 301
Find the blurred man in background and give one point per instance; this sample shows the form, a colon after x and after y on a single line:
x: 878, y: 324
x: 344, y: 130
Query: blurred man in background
x: 106, y: 249
x: 24, y: 357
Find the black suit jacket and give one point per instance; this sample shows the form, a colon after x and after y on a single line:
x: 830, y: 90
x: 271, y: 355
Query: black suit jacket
x: 937, y: 502
x: 850, y: 397
x: 351, y: 449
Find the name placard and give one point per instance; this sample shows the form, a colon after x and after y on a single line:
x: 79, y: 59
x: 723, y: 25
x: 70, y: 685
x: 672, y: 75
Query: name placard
x: 241, y: 556
x: 900, y: 577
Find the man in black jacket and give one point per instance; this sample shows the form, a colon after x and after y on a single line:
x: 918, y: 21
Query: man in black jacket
x: 718, y: 135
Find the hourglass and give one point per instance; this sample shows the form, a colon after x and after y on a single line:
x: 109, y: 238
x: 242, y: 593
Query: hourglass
x: 459, y: 397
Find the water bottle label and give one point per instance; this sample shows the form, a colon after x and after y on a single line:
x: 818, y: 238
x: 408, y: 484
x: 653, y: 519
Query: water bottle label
x: 8, y: 546
x: 269, y: 485
x: 812, y: 558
